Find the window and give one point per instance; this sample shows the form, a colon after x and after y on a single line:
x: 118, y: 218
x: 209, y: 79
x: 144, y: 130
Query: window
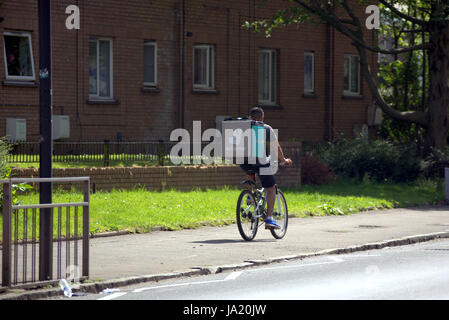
x: 100, y: 69
x: 203, y: 67
x: 18, y: 54
x: 150, y: 63
x: 267, y: 76
x: 351, y: 75
x: 309, y: 72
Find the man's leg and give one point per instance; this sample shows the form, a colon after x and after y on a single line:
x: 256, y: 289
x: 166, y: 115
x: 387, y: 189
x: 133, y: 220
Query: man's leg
x: 268, y: 182
x: 271, y: 195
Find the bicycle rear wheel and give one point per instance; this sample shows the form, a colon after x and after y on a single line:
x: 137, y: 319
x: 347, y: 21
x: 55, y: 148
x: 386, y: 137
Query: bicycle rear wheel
x: 247, y: 221
x: 280, y: 215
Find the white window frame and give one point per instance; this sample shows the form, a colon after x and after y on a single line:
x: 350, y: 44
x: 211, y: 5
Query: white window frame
x: 349, y: 92
x: 272, y: 77
x: 210, y: 74
x: 97, y: 96
x: 154, y: 44
x: 311, y: 54
x: 19, y: 78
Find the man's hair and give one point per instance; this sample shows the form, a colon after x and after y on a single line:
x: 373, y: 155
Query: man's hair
x: 256, y: 113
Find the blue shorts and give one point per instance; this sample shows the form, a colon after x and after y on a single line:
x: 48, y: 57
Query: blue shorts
x: 267, y: 181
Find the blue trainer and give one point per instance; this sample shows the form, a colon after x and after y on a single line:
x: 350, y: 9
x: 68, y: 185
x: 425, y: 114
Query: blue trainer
x: 271, y: 224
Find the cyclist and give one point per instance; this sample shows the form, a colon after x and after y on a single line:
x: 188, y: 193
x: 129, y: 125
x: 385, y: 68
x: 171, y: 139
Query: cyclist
x: 267, y: 180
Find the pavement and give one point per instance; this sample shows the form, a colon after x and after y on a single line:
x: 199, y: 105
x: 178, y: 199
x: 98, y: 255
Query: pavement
x: 123, y: 260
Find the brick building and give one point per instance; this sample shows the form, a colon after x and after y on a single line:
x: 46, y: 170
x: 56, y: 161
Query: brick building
x: 136, y: 70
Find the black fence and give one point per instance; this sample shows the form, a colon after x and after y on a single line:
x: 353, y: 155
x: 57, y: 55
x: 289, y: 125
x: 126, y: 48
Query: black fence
x: 22, y: 254
x: 104, y: 153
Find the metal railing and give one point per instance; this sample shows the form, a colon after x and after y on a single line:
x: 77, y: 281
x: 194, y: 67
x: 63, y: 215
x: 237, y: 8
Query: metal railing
x: 103, y: 153
x: 21, y: 253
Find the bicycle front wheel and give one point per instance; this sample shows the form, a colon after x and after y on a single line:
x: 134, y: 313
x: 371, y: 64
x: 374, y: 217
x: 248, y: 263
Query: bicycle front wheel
x: 247, y: 221
x: 280, y: 215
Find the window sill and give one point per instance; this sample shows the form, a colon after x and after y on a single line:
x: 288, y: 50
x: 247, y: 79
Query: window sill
x: 18, y: 83
x: 204, y: 91
x: 309, y: 95
x: 351, y: 96
x: 150, y: 89
x: 102, y: 102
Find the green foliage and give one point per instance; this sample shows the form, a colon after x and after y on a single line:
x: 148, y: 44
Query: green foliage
x: 4, y: 151
x: 378, y: 160
x: 5, y: 173
x: 404, y: 77
x: 314, y: 171
x: 435, y: 163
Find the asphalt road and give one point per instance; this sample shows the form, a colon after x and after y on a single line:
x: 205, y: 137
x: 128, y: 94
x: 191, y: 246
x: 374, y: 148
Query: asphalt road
x: 410, y: 272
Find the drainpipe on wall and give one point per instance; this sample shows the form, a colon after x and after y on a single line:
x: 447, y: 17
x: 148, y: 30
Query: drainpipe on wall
x: 77, y: 81
x: 331, y: 129
x: 330, y: 83
x: 227, y: 61
x: 327, y: 85
x: 182, y: 67
x: 228, y: 43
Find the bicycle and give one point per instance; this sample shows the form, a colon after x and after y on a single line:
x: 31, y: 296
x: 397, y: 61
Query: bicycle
x: 251, y: 210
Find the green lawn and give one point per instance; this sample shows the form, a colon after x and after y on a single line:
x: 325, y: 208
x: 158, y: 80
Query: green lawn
x: 141, y: 210
x: 87, y: 164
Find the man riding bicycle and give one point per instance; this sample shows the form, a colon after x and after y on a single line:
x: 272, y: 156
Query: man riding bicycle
x: 267, y: 177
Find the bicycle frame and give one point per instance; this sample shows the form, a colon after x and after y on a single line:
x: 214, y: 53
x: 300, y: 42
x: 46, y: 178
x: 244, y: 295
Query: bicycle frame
x: 252, y: 209
x: 261, y: 194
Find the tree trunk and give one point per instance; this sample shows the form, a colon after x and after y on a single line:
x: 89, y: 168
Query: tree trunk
x: 438, y: 97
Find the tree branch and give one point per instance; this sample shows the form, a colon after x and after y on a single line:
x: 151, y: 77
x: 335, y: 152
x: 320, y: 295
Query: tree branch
x: 418, y: 117
x: 403, y: 15
x: 409, y: 116
x: 357, y: 36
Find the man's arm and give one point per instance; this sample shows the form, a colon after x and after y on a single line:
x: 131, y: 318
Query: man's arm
x: 282, y: 159
x: 281, y: 156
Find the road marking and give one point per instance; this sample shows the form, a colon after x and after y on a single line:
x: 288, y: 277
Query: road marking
x: 336, y: 259
x: 113, y: 296
x: 294, y: 266
x: 339, y: 259
x: 174, y: 285
x: 233, y: 276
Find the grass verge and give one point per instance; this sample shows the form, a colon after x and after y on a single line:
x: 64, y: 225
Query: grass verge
x: 140, y: 210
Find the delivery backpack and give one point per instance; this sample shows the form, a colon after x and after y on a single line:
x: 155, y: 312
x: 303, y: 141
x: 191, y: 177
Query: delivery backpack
x: 243, y: 141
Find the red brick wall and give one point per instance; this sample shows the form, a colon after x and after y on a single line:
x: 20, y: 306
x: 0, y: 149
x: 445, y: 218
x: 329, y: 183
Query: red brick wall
x: 142, y: 115
x: 163, y: 178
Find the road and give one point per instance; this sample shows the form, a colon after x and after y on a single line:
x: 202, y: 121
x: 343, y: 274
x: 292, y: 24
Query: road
x: 410, y: 272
